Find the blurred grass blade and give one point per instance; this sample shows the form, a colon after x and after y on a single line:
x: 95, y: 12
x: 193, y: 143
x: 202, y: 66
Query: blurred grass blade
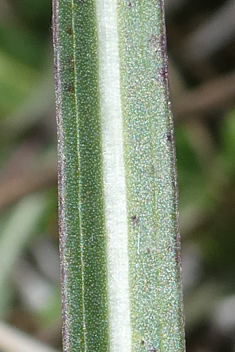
x: 16, y: 234
x: 118, y: 208
x: 12, y: 340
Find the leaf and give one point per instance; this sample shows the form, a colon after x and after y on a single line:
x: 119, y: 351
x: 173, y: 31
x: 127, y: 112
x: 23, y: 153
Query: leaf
x: 15, y: 236
x: 121, y: 285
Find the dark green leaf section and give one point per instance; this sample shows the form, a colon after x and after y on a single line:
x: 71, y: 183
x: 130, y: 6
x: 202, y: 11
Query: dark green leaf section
x: 80, y: 186
x: 155, y: 288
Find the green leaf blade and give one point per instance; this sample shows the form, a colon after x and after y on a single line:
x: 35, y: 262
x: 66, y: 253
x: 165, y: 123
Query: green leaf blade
x: 82, y: 228
x: 118, y: 211
x: 151, y: 181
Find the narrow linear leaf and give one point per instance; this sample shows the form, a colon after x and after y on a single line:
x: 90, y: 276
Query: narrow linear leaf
x: 15, y: 236
x: 119, y: 234
x: 12, y: 339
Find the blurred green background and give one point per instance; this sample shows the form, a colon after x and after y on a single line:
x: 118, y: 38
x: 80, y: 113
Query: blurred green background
x: 201, y: 48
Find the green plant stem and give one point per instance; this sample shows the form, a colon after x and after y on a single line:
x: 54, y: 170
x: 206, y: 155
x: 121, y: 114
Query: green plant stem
x: 118, y: 208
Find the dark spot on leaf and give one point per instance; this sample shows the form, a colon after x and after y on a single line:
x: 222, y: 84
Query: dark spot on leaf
x: 69, y: 30
x: 169, y: 137
x: 134, y: 219
x: 153, y: 349
x: 69, y: 87
x: 164, y: 73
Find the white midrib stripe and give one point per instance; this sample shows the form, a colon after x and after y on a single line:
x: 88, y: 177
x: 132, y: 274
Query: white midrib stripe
x: 114, y: 177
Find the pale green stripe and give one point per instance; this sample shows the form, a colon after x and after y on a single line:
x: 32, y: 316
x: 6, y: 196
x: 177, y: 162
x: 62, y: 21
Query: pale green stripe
x: 155, y: 291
